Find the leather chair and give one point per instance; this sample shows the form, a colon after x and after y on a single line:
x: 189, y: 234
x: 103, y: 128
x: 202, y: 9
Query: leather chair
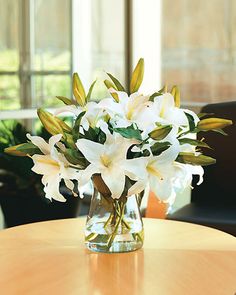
x: 213, y: 203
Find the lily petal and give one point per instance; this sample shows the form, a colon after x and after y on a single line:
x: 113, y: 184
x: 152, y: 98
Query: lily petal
x: 52, y: 189
x: 45, y: 165
x: 91, y: 150
x: 115, y: 181
x: 69, y: 108
x: 53, y: 140
x: 70, y: 185
x: 86, y: 174
x: 40, y: 143
x: 138, y: 187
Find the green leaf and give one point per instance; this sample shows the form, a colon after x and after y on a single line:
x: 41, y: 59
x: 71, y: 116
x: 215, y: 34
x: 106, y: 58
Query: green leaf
x: 29, y: 149
x: 194, y: 142
x: 201, y: 115
x: 76, y: 127
x: 66, y: 100
x: 75, y: 157
x: 116, y: 82
x: 129, y: 132
x: 163, y: 90
x: 155, y: 94
x: 190, y: 122
x: 137, y: 76
x: 91, y: 134
x: 220, y: 131
x: 88, y: 97
x: 160, y: 147
x: 158, y: 93
x: 146, y: 153
x: 101, y: 136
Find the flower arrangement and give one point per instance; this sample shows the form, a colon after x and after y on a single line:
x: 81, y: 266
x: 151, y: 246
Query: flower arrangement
x: 124, y: 143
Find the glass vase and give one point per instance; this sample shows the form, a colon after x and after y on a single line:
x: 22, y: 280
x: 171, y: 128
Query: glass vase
x: 114, y: 225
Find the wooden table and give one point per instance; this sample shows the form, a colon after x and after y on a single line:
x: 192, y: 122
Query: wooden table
x: 177, y: 258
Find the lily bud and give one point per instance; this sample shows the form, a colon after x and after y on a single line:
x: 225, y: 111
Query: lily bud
x: 50, y: 122
x: 160, y: 132
x: 63, y: 125
x: 176, y: 93
x: 23, y: 149
x: 12, y: 150
x: 137, y: 76
x: 213, y: 123
x: 109, y: 86
x: 78, y: 90
x: 192, y: 159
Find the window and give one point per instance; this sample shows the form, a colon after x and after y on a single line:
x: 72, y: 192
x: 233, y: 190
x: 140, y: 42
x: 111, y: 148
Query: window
x: 9, y: 55
x: 36, y: 52
x: 44, y: 41
x: 188, y: 43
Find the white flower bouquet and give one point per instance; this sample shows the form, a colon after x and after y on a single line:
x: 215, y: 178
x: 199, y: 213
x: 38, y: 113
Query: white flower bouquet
x: 124, y: 143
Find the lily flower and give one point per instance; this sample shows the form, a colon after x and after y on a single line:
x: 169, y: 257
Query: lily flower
x: 185, y: 172
x: 94, y: 113
x: 130, y: 109
x: 158, y: 171
x: 53, y: 166
x: 164, y: 111
x: 109, y: 160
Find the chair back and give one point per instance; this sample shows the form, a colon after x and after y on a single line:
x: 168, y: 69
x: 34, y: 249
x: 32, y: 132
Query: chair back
x: 219, y: 186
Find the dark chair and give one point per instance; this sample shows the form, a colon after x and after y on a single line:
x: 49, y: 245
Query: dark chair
x: 213, y: 203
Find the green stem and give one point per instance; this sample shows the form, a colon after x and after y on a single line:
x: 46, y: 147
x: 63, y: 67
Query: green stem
x: 138, y: 235
x: 108, y: 220
x: 119, y: 220
x: 90, y: 236
x: 125, y: 223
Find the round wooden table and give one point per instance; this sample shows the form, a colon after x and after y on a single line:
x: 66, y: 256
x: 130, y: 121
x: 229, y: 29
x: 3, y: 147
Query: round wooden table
x: 177, y: 258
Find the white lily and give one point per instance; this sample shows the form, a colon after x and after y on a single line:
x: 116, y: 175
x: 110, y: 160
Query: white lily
x: 130, y: 109
x: 158, y: 171
x: 164, y: 111
x: 185, y: 172
x: 94, y: 113
x: 109, y: 160
x: 184, y: 175
x: 53, y: 166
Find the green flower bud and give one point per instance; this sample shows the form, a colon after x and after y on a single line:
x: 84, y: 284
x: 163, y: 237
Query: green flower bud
x: 12, y: 150
x: 192, y: 159
x: 78, y: 90
x: 213, y: 123
x: 160, y: 132
x: 50, y: 122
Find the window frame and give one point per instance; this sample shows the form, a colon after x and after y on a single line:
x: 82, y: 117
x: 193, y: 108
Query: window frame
x: 25, y: 73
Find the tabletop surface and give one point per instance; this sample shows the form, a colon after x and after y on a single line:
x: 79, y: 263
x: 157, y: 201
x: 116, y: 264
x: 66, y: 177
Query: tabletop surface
x: 177, y: 258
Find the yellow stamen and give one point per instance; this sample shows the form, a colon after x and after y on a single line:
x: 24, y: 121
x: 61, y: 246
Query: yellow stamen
x: 163, y: 107
x: 152, y: 170
x: 131, y: 108
x: 48, y: 162
x: 106, y: 161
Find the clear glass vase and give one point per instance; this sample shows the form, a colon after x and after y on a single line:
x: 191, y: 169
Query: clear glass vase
x: 114, y: 225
